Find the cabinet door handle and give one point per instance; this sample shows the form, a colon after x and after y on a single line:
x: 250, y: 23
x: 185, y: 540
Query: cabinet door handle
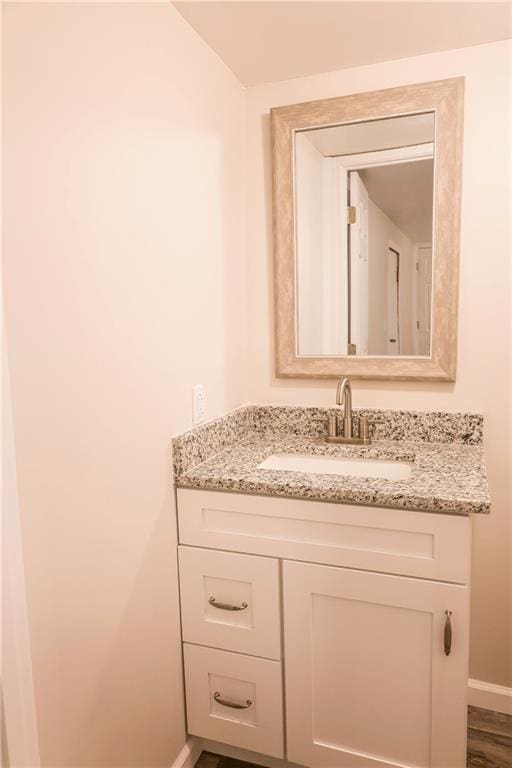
x: 227, y: 606
x: 448, y: 633
x: 232, y: 704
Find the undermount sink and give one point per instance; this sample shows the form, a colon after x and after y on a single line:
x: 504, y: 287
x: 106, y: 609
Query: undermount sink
x: 330, y: 465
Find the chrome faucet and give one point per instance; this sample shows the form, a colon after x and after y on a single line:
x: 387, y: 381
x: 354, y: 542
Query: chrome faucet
x: 344, y: 398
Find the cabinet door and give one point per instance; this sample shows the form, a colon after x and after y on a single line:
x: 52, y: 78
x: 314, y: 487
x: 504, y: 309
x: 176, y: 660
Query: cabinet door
x: 368, y: 682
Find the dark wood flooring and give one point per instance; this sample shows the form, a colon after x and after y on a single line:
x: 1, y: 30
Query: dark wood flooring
x: 489, y: 743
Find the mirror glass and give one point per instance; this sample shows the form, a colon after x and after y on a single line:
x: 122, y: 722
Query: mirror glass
x: 363, y: 237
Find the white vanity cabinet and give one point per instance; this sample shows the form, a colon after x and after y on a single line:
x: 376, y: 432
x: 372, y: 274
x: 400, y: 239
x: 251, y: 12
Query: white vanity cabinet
x: 326, y: 634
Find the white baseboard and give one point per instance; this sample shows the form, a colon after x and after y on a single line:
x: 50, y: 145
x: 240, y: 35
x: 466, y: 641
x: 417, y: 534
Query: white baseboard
x: 497, y: 698
x: 189, y: 755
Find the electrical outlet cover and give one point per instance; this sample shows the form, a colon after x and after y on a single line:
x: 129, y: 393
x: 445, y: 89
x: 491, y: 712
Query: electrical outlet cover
x: 198, y: 404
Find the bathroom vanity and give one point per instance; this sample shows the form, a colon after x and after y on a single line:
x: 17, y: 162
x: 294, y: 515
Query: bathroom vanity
x: 324, y: 556
x: 325, y: 614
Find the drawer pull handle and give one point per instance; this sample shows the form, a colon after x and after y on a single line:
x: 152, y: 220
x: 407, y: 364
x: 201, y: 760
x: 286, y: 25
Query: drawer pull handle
x: 232, y: 704
x: 227, y: 606
x: 448, y: 633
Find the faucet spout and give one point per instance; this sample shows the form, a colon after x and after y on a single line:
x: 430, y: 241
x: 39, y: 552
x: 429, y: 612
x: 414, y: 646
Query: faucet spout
x: 344, y: 398
x: 344, y: 395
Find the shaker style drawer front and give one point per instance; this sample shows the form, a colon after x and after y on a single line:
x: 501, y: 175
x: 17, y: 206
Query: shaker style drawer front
x: 230, y: 601
x: 400, y: 541
x: 234, y: 699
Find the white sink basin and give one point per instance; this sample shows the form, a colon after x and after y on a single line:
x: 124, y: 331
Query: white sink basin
x: 331, y: 465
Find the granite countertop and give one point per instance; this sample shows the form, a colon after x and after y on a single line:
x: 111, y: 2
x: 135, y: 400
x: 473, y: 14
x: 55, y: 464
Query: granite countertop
x: 448, y: 473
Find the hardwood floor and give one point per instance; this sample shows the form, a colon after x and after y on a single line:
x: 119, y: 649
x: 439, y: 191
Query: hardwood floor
x: 489, y: 743
x: 208, y: 760
x: 489, y: 739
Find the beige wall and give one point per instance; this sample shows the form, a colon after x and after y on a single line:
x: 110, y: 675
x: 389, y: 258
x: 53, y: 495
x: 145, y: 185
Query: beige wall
x: 483, y: 382
x: 124, y: 280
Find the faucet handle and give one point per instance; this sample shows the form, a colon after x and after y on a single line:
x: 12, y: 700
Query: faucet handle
x: 364, y: 426
x: 331, y: 422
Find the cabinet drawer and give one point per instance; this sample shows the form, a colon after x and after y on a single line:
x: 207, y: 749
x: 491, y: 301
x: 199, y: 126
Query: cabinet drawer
x: 400, y: 541
x: 230, y: 601
x: 234, y: 699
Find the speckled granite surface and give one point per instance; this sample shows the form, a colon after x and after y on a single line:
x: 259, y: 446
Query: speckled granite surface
x: 445, y: 448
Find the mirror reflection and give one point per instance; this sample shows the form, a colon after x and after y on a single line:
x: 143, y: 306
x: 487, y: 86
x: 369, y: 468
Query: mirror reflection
x: 364, y: 232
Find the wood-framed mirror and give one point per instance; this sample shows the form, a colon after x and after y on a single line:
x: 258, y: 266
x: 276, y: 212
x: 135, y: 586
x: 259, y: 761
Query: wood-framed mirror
x: 366, y: 217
